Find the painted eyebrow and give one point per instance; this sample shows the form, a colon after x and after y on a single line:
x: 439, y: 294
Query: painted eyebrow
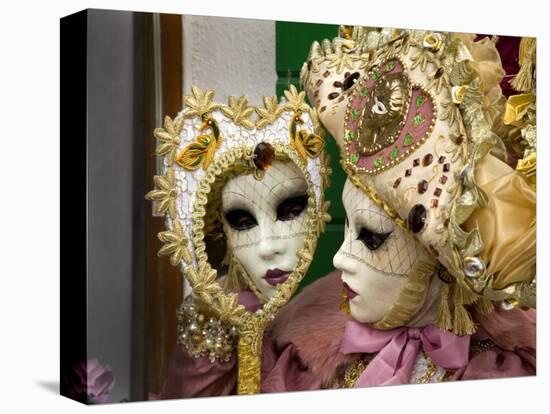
x: 278, y: 194
x: 376, y: 211
x: 378, y: 228
x: 272, y: 189
x: 235, y: 200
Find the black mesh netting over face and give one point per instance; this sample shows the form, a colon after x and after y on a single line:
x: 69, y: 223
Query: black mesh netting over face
x: 263, y: 199
x: 263, y: 220
x: 395, y: 256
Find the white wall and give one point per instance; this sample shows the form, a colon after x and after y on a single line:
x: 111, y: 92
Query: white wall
x: 230, y: 56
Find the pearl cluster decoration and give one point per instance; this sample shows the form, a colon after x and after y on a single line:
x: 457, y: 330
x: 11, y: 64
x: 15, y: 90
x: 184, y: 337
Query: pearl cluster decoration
x: 204, y: 336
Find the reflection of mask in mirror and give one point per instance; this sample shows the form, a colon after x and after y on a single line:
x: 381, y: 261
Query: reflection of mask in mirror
x: 375, y: 258
x: 265, y: 223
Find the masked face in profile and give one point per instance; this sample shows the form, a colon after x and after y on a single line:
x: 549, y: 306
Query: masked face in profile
x: 375, y: 258
x: 265, y: 223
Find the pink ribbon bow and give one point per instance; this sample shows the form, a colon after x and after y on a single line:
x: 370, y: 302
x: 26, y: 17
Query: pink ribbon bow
x: 397, y: 350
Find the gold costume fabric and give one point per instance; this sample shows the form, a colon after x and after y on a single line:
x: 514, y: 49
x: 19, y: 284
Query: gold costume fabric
x: 507, y: 224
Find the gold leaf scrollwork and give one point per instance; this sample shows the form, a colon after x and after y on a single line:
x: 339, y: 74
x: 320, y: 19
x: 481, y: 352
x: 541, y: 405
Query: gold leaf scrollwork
x: 295, y: 101
x: 341, y: 60
x: 175, y: 245
x: 230, y: 308
x: 200, y: 102
x: 421, y: 59
x: 239, y: 111
x: 450, y: 112
x: 270, y: 113
x: 204, y: 282
x: 165, y: 193
x: 169, y: 138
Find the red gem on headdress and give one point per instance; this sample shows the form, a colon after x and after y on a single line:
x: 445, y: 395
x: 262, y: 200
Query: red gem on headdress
x: 350, y: 80
x: 422, y: 186
x: 427, y: 160
x: 416, y: 218
x: 264, y: 154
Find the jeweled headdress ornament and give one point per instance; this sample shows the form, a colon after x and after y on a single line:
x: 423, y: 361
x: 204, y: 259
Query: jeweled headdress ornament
x: 417, y: 116
x: 205, y: 145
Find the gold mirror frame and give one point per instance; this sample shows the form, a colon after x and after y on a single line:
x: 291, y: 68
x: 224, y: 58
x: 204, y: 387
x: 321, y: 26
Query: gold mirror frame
x: 197, y: 270
x: 250, y: 325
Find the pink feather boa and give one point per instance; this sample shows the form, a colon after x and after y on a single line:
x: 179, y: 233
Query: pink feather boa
x: 313, y: 324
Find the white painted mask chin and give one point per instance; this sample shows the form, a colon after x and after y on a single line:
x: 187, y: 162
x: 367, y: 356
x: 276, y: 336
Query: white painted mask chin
x: 265, y: 223
x: 375, y: 257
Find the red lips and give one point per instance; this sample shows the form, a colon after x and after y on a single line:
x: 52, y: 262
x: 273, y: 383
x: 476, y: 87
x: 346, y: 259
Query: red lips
x: 276, y: 276
x: 349, y: 292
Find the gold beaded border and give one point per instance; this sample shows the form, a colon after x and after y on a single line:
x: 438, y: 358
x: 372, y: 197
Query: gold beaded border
x: 223, y: 164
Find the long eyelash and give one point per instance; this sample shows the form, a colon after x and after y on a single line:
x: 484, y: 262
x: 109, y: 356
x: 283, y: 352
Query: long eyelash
x: 299, y: 201
x: 371, y: 239
x: 231, y: 218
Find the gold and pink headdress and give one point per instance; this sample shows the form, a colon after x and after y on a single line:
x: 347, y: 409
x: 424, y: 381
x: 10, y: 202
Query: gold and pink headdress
x: 417, y: 116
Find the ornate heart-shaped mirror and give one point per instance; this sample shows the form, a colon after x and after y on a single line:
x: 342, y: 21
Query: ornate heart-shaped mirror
x: 244, y: 208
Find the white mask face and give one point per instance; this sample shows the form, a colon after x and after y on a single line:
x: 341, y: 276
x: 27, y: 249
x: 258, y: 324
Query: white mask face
x: 375, y: 258
x: 265, y: 222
